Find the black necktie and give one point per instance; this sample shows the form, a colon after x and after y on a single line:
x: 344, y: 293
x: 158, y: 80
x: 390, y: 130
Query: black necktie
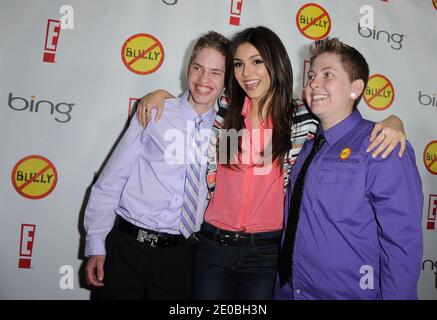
x: 285, y: 255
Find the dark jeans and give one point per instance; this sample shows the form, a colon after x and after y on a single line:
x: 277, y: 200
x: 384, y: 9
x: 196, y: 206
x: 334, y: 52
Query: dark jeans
x: 135, y: 271
x: 243, y: 272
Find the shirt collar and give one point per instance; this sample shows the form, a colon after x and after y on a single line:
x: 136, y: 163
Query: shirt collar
x: 189, y: 114
x: 246, y: 110
x: 336, y: 132
x: 246, y: 107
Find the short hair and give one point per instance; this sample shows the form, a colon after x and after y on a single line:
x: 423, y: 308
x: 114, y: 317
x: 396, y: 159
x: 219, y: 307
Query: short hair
x: 213, y: 40
x: 351, y: 59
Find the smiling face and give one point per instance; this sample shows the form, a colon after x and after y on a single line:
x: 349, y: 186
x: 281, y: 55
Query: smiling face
x: 205, y: 79
x: 251, y: 72
x: 329, y: 92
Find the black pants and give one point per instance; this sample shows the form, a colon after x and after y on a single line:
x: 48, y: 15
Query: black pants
x: 236, y: 272
x: 136, y: 271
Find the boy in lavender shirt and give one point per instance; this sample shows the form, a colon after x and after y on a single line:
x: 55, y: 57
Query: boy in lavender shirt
x: 147, y: 203
x: 355, y: 232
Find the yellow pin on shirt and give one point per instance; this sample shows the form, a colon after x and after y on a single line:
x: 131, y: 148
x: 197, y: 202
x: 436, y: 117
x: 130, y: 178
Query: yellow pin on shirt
x: 345, y: 153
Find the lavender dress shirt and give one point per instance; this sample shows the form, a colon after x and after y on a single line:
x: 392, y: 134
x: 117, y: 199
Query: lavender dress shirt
x: 359, y: 234
x: 144, y: 179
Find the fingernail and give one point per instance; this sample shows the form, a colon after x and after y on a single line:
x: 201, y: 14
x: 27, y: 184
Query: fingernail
x: 368, y: 150
x: 374, y: 156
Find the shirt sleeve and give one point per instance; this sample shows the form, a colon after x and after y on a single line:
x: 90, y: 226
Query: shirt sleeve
x: 106, y: 192
x: 395, y: 190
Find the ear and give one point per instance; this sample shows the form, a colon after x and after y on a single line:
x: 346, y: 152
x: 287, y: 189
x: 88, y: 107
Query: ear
x: 357, y: 88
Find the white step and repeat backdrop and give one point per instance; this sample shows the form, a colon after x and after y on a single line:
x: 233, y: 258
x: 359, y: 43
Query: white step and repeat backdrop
x: 71, y: 71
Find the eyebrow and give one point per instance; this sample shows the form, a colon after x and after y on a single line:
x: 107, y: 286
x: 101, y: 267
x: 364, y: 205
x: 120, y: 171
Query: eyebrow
x: 326, y: 68
x: 323, y: 69
x: 251, y: 57
x: 213, y: 69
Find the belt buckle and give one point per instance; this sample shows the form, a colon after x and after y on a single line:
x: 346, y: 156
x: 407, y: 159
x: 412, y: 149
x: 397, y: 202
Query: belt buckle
x: 149, y: 238
x: 226, y: 240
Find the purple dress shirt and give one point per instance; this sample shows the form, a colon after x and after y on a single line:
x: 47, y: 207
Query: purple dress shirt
x: 144, y: 179
x: 359, y: 234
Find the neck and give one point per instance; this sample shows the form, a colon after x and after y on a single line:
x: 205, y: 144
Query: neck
x: 254, y: 110
x: 200, y: 109
x: 329, y: 123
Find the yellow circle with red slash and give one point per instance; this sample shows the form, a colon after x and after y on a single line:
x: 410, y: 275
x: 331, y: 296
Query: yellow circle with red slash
x: 142, y: 53
x: 313, y: 21
x: 379, y: 93
x: 34, y: 177
x: 430, y: 157
x: 345, y: 153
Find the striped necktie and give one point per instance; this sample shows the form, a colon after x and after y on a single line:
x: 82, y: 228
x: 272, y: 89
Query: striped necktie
x: 191, y: 191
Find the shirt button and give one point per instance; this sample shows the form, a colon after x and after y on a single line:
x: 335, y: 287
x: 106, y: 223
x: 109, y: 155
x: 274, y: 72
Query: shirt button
x: 298, y: 291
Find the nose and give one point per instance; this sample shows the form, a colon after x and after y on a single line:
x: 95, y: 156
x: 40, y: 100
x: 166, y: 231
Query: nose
x: 204, y: 77
x: 315, y: 83
x: 246, y: 70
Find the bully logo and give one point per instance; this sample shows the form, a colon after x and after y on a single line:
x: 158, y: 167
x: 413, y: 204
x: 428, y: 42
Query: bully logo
x: 313, y: 21
x: 379, y: 93
x: 34, y: 177
x: 345, y: 153
x: 142, y: 54
x: 27, y: 238
x: 430, y: 157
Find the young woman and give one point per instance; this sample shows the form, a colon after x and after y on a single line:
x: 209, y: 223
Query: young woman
x: 236, y: 257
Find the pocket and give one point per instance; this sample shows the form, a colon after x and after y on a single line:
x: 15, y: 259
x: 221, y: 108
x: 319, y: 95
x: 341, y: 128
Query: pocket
x: 336, y: 183
x: 337, y: 171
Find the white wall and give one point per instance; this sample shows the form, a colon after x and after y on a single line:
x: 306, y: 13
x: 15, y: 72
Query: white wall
x: 89, y: 73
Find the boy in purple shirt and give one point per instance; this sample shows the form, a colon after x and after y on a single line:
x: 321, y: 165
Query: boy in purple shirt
x: 353, y: 222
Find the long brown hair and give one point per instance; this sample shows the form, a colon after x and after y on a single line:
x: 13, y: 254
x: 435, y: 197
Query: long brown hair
x: 281, y: 105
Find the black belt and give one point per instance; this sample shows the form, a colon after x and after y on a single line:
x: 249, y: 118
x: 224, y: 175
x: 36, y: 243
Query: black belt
x: 227, y: 238
x: 149, y: 237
